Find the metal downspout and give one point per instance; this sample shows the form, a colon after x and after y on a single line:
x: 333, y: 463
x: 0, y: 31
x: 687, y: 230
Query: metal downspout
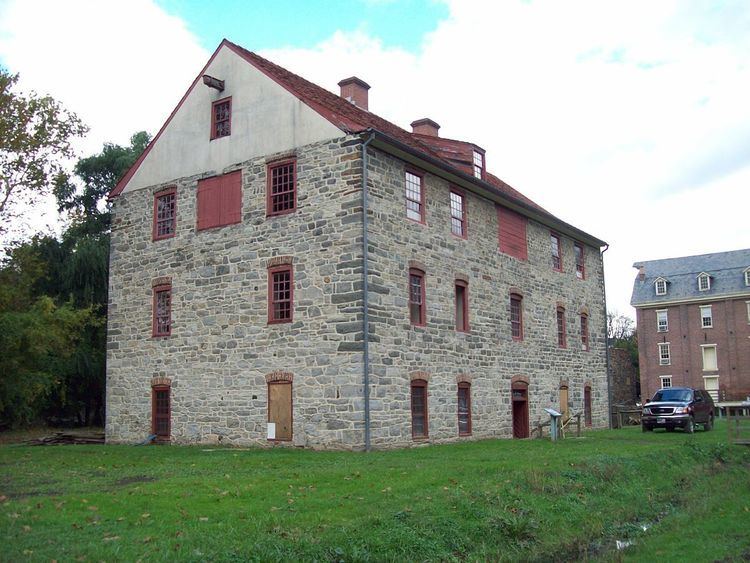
x: 365, y: 294
x: 606, y: 344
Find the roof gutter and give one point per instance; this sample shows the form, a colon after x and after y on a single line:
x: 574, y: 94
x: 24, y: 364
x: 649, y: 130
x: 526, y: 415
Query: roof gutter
x: 365, y: 292
x: 459, y: 178
x: 606, y: 343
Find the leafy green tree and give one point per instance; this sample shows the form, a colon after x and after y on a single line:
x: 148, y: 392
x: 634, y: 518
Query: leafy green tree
x: 35, y: 139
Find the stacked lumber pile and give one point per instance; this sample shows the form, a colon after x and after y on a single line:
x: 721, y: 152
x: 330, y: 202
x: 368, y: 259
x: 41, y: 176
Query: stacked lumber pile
x: 62, y: 438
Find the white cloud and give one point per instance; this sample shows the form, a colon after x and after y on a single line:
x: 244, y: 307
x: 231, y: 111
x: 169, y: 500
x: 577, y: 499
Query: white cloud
x: 627, y: 119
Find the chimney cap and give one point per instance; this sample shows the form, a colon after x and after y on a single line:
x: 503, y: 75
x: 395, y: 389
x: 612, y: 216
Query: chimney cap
x: 425, y: 121
x: 354, y: 80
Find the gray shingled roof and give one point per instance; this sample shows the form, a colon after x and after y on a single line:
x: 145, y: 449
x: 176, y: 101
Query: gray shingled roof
x: 725, y: 268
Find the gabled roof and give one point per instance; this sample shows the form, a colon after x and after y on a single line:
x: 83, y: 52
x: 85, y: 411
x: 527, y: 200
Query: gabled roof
x: 725, y: 269
x: 451, y: 154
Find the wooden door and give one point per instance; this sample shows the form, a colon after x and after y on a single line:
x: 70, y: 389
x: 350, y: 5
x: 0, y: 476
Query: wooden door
x: 564, y: 409
x: 280, y: 408
x: 587, y: 405
x: 520, y: 413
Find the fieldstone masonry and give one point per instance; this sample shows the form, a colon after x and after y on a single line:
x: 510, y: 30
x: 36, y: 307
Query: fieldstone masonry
x: 222, y: 353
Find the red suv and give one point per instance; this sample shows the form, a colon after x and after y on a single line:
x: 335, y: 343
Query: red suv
x: 678, y: 407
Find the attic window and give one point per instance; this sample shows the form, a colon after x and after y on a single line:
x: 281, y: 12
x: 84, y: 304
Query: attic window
x: 704, y: 282
x: 221, y: 118
x: 747, y: 276
x: 661, y: 287
x: 478, y: 164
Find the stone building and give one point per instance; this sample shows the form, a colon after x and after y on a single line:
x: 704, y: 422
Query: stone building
x: 693, y: 316
x: 242, y: 311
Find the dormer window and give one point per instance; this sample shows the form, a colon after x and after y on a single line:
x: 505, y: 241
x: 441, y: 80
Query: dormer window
x: 661, y: 286
x: 221, y: 118
x: 704, y: 282
x: 747, y: 276
x: 478, y: 164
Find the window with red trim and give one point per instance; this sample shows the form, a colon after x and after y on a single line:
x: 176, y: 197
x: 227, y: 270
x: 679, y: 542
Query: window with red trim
x: 512, y: 233
x: 417, y: 312
x: 161, y: 412
x: 419, y: 409
x: 219, y: 200
x: 280, y: 294
x: 584, y: 331
x: 281, y: 188
x: 580, y: 261
x: 462, y: 306
x: 165, y: 214
x: 162, y: 311
x: 516, y: 316
x: 221, y: 118
x: 556, y: 253
x: 458, y: 214
x: 561, y: 340
x: 414, y: 197
x: 464, y: 409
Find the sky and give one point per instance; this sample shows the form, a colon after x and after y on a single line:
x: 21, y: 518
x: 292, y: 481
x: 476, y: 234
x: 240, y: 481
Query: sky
x: 629, y: 120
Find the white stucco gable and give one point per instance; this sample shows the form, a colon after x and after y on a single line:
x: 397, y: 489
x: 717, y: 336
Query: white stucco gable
x: 266, y: 118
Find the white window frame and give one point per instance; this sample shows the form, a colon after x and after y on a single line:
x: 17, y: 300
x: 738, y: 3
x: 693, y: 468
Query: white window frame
x: 664, y: 359
x: 704, y: 317
x: 664, y: 380
x: 663, y: 283
x: 716, y: 377
x: 659, y: 327
x: 748, y: 311
x: 716, y: 356
x: 747, y: 276
x: 703, y: 276
x: 478, y: 160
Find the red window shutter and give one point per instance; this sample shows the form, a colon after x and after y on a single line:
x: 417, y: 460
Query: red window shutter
x: 231, y: 198
x: 512, y: 233
x: 209, y: 205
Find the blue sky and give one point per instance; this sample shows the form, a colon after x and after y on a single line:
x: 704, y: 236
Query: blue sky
x: 263, y: 24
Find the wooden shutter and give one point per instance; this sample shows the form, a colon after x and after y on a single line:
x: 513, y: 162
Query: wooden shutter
x: 231, y: 198
x: 209, y: 204
x: 512, y: 233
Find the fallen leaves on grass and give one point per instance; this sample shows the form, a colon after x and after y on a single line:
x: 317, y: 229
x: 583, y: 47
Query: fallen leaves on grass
x: 110, y: 538
x: 203, y: 518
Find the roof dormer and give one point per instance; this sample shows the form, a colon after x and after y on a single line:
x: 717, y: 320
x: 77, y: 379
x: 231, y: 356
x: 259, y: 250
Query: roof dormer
x: 704, y: 281
x: 660, y: 286
x: 746, y: 275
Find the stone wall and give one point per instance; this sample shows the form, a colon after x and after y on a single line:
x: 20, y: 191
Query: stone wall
x: 624, y: 378
x: 221, y: 348
x: 222, y: 353
x: 487, y: 354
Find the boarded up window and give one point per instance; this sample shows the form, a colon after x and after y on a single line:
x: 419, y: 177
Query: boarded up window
x: 220, y: 200
x: 280, y: 408
x: 162, y: 311
x: 512, y: 233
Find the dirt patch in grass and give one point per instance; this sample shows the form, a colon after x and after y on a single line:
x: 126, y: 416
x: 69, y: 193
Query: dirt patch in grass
x: 134, y: 479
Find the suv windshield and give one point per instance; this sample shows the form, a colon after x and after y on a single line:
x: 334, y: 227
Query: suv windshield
x: 682, y: 395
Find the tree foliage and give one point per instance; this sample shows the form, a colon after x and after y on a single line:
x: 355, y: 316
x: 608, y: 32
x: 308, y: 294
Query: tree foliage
x: 53, y: 301
x: 621, y: 333
x: 35, y: 139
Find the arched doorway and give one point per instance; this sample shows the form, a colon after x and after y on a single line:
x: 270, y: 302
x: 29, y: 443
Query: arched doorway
x: 519, y: 394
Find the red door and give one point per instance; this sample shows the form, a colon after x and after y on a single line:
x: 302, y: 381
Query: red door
x: 520, y: 402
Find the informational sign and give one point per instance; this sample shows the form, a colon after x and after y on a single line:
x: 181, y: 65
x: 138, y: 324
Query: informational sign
x: 271, y: 430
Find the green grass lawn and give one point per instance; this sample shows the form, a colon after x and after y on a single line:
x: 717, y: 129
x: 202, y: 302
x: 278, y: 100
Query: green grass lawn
x: 494, y: 499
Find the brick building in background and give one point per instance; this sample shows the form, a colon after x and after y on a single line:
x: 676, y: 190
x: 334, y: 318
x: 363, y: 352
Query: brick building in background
x: 242, y: 311
x: 693, y: 317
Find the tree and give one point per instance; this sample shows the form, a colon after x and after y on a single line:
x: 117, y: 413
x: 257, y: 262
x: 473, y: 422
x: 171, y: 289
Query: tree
x: 35, y: 139
x: 619, y: 326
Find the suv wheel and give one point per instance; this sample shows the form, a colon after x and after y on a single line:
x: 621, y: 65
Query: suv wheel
x: 710, y: 424
x: 690, y: 426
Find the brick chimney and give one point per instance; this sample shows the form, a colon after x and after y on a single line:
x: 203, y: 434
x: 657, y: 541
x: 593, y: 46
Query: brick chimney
x: 425, y: 126
x: 355, y: 90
